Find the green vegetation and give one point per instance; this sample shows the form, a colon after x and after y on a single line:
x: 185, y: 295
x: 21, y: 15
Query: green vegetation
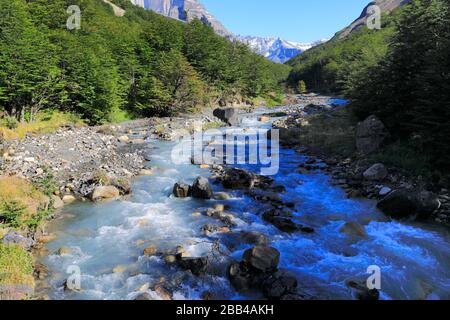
x: 331, y: 133
x: 409, y: 89
x: 16, y: 270
x: 332, y: 67
x: 22, y: 205
x: 400, y: 73
x: 116, y: 68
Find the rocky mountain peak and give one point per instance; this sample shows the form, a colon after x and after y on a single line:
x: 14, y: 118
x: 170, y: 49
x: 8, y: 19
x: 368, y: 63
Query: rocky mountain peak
x: 185, y: 10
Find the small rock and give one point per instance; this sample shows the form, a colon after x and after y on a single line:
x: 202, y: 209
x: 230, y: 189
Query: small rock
x: 384, y: 191
x: 146, y: 172
x: 197, y: 266
x: 201, y: 189
x: 162, y: 292
x: 104, y: 193
x: 144, y: 297
x: 57, y: 203
x: 222, y: 196
x: 150, y: 251
x: 181, y: 190
x: 170, y: 259
x: 219, y: 207
x: 119, y: 269
x: 64, y: 251
x: 353, y: 229
x: 377, y: 172
x: 68, y: 198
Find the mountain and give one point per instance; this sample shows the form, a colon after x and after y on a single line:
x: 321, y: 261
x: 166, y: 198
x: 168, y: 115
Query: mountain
x: 333, y: 67
x: 384, y: 5
x: 275, y: 49
x: 185, y: 10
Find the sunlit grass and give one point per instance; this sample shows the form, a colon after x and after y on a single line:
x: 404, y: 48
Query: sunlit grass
x: 20, y: 191
x: 16, y: 266
x: 47, y: 122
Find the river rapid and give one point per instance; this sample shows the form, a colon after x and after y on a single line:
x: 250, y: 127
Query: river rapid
x: 106, y: 240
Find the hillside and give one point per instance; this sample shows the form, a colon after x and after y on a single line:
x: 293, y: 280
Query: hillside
x: 117, y: 67
x: 331, y: 66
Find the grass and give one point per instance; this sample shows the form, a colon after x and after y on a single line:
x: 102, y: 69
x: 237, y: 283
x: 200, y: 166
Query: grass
x: 16, y: 268
x: 331, y: 133
x: 21, y: 203
x: 46, y: 122
x: 402, y: 156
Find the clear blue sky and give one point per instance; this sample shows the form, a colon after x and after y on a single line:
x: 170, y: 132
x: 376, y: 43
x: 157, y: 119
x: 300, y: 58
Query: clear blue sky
x: 295, y: 20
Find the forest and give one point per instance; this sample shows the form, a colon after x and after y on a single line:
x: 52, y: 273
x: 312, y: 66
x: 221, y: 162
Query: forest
x: 400, y: 73
x: 115, y: 68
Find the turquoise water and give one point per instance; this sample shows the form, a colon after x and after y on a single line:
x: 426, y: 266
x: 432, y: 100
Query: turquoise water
x: 414, y: 258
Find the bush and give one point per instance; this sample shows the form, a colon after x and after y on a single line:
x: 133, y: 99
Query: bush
x: 11, y: 213
x: 11, y: 123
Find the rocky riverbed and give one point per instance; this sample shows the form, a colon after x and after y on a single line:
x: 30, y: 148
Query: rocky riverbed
x: 297, y: 235
x: 408, y: 196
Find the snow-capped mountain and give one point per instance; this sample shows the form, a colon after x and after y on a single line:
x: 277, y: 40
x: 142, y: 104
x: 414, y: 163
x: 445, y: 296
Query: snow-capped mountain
x: 276, y: 49
x: 185, y: 10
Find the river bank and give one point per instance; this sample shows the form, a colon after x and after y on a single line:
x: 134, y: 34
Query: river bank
x: 152, y: 245
x: 351, y: 154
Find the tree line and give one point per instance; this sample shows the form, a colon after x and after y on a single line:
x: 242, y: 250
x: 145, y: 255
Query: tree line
x: 400, y: 73
x: 141, y: 64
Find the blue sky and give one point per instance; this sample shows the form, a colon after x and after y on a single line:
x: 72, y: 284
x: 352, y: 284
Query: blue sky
x: 295, y: 20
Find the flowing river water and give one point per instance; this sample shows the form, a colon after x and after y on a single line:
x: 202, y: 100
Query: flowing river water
x: 106, y: 240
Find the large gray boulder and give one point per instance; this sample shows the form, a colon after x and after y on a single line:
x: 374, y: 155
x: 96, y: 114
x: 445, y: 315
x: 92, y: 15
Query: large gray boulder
x: 201, y: 189
x: 238, y: 179
x: 400, y: 204
x: 262, y: 258
x: 377, y: 172
x: 370, y: 135
x: 16, y: 238
x: 228, y: 115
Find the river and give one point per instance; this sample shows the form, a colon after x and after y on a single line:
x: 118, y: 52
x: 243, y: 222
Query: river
x: 106, y: 240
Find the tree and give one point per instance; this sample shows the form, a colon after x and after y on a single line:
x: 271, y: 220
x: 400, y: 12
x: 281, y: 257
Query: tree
x: 302, y: 87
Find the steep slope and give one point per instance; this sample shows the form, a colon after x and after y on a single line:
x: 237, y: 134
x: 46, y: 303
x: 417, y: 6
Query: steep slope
x: 385, y: 7
x: 332, y: 66
x: 185, y: 10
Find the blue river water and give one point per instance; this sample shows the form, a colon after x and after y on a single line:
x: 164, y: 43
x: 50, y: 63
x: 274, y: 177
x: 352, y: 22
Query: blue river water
x: 106, y: 240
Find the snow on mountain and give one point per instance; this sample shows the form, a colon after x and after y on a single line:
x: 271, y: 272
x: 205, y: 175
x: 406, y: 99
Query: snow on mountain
x: 276, y: 49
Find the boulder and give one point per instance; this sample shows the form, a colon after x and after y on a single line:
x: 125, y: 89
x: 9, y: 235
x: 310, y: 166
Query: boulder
x: 239, y: 277
x: 201, y: 189
x: 409, y: 204
x: 279, y: 284
x: 197, y: 266
x: 377, y: 172
x: 362, y: 292
x: 238, y: 179
x: 255, y: 238
x: 181, y: 190
x: 262, y: 258
x: 228, y: 115
x: 222, y: 196
x: 353, y: 229
x: 13, y: 237
x: 68, y: 198
x: 399, y: 204
x: 370, y: 135
x: 427, y: 203
x: 57, y: 203
x: 104, y: 193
